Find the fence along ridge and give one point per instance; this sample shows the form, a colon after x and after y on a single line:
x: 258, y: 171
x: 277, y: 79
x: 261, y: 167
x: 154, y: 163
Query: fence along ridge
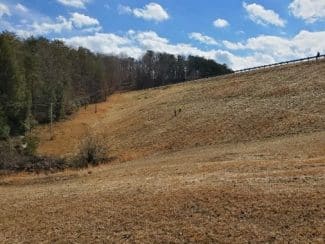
x: 281, y: 63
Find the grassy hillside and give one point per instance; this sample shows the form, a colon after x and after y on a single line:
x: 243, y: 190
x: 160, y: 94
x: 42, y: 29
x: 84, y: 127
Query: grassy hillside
x: 247, y: 107
x: 242, y: 161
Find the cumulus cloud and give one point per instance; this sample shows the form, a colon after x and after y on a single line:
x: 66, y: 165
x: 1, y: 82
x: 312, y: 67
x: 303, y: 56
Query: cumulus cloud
x: 150, y: 40
x: 122, y: 9
x: 263, y: 49
x: 260, y: 15
x: 237, y: 62
x: 21, y: 8
x: 259, y: 50
x: 136, y: 43
x: 221, y: 23
x: 76, y: 21
x: 81, y: 20
x: 308, y: 10
x: 107, y: 43
x: 305, y: 43
x: 202, y: 38
x: 152, y: 11
x: 61, y: 24
x: 4, y: 10
x: 74, y: 3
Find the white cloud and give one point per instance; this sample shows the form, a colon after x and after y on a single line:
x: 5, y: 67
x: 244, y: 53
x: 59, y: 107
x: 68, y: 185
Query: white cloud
x: 21, y: 8
x: 152, y: 11
x: 23, y: 15
x: 81, y: 20
x: 263, y: 50
x: 76, y: 21
x: 220, y: 23
x: 107, y: 43
x: 124, y: 9
x: 260, y: 15
x: 233, y: 45
x: 241, y: 62
x: 134, y: 44
x: 4, y: 10
x: 58, y: 26
x: 258, y: 51
x: 308, y: 10
x: 150, y: 40
x: 203, y: 38
x: 304, y: 44
x: 74, y: 3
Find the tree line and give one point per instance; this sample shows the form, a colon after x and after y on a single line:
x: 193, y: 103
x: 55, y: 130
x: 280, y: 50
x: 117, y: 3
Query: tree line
x: 37, y: 74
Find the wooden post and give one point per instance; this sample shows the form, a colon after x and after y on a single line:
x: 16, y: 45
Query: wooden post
x: 95, y: 107
x: 51, y: 121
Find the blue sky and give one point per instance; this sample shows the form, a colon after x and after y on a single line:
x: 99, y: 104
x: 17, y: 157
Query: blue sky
x: 238, y: 33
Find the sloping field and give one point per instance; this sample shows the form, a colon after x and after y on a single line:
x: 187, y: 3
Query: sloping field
x: 247, y: 107
x: 242, y: 161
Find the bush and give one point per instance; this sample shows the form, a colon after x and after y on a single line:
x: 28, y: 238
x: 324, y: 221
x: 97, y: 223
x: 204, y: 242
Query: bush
x: 30, y: 145
x: 92, y: 151
x: 14, y: 159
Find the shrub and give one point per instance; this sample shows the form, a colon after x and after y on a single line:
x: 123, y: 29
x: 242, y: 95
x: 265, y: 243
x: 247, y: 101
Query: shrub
x: 92, y: 151
x: 30, y: 145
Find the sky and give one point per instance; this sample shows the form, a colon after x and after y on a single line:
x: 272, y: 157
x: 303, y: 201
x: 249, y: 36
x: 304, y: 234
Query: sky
x: 238, y: 33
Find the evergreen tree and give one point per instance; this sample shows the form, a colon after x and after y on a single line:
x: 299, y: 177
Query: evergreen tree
x: 12, y: 85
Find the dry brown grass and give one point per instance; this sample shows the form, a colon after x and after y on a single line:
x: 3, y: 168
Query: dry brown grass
x: 247, y: 107
x: 243, y: 162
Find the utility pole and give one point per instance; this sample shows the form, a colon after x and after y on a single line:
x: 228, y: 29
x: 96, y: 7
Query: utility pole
x: 51, y: 121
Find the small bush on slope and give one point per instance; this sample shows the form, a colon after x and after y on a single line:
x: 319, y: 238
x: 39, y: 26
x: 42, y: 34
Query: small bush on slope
x: 91, y: 151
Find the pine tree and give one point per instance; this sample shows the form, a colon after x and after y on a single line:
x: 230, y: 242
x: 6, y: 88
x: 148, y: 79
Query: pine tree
x: 12, y: 84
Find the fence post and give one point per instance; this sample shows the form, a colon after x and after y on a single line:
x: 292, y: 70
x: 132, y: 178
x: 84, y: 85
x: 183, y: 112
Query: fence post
x: 51, y: 121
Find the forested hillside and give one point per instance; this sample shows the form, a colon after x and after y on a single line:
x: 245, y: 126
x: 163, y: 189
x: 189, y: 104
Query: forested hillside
x: 36, y: 72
